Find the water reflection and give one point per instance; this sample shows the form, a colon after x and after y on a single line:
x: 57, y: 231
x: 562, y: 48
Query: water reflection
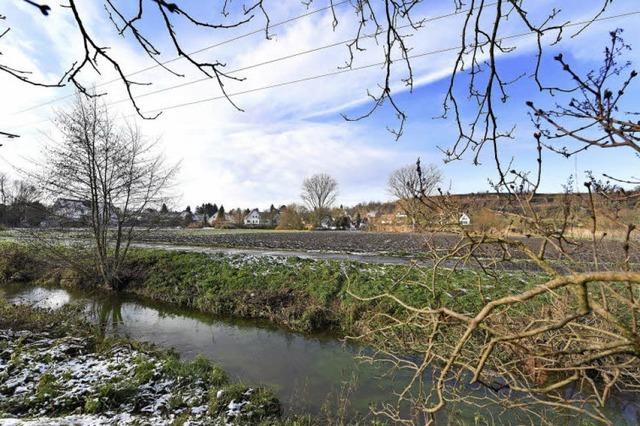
x: 41, y: 297
x: 304, y: 370
x: 309, y: 373
x: 107, y: 314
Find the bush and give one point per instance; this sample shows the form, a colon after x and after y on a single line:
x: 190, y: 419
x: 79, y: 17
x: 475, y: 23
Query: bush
x: 18, y: 264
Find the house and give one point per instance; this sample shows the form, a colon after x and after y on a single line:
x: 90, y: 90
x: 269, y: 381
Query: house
x: 327, y: 223
x: 80, y: 210
x: 401, y: 218
x: 228, y: 218
x: 71, y: 209
x: 258, y: 218
x: 253, y: 218
x: 464, y: 220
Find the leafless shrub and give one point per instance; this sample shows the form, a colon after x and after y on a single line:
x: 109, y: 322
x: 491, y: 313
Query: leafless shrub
x: 559, y: 348
x: 111, y: 168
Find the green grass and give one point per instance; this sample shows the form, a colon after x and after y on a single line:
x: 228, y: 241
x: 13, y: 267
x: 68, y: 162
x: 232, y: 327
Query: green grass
x: 309, y: 295
x: 63, y: 321
x: 263, y: 402
x: 198, y: 369
x: 302, y: 294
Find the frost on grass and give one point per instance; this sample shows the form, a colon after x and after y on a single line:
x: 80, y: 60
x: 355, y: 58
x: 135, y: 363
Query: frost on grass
x: 45, y: 380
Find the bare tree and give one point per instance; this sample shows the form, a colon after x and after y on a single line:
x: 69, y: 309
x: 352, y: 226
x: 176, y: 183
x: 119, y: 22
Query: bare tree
x: 411, y: 182
x: 131, y: 23
x: 20, y: 203
x: 319, y: 192
x: 112, y: 168
x: 4, y: 189
x: 564, y: 341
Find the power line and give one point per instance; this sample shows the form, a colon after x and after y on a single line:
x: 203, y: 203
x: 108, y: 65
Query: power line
x: 352, y: 69
x: 304, y: 52
x: 271, y: 61
x: 195, y: 52
x: 377, y: 64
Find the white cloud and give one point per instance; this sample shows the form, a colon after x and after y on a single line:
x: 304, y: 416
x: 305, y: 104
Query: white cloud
x: 260, y: 156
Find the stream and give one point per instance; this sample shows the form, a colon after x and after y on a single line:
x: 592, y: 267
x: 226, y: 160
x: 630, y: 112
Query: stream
x: 309, y: 373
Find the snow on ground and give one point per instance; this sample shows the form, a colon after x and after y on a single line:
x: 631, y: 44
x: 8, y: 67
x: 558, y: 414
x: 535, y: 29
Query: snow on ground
x: 63, y: 381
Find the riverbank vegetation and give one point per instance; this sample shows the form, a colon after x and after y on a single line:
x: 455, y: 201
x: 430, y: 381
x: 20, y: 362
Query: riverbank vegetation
x: 302, y: 294
x: 573, y: 353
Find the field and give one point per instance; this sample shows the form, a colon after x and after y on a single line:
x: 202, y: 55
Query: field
x: 374, y: 243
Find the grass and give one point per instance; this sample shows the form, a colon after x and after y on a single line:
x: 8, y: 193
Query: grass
x: 198, y: 369
x: 302, y: 294
x: 67, y: 320
x: 305, y: 294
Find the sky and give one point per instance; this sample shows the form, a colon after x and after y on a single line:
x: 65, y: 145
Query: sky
x: 261, y: 155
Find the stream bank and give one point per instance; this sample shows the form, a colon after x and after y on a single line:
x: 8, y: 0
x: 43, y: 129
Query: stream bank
x: 54, y: 370
x: 301, y: 294
x: 193, y: 302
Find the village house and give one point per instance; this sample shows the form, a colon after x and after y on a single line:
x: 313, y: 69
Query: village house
x: 228, y: 219
x: 464, y: 219
x: 327, y: 223
x: 253, y: 218
x: 75, y: 210
x: 71, y: 209
x: 258, y: 218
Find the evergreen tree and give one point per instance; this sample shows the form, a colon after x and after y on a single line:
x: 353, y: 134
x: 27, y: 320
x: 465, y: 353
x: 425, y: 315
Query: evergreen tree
x: 220, y: 216
x: 207, y: 209
x: 164, y: 209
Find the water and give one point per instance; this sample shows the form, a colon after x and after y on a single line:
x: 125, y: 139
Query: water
x: 306, y: 372
x: 309, y: 373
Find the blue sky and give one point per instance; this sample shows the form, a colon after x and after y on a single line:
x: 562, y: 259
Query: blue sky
x: 260, y: 156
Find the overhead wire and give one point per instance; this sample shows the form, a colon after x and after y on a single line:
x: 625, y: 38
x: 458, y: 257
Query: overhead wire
x: 359, y: 68
x: 302, y: 53
x: 252, y: 66
x: 347, y: 70
x: 198, y: 51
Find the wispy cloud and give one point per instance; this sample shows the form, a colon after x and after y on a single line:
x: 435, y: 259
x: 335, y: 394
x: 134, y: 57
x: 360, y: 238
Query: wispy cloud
x: 260, y: 156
